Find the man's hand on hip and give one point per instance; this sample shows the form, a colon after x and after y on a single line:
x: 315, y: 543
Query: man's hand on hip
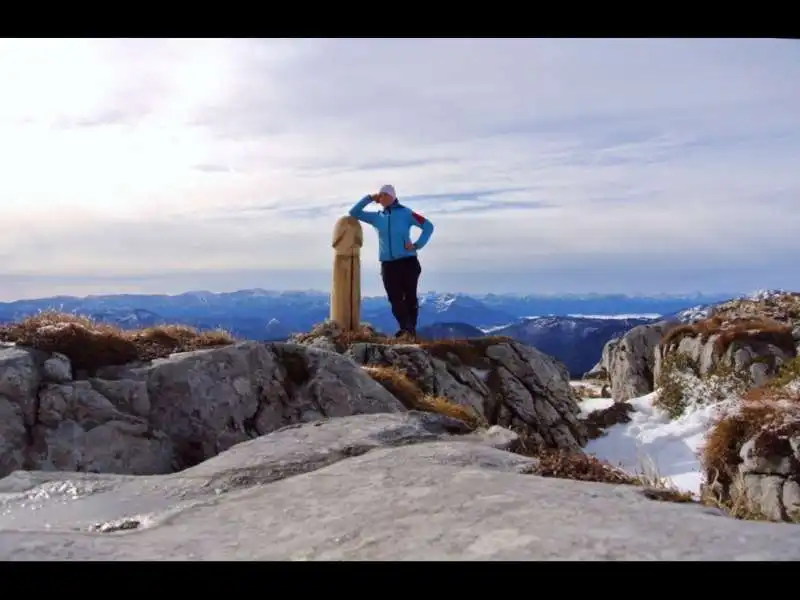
x: 410, y: 246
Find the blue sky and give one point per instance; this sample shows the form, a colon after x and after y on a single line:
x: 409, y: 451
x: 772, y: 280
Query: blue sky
x: 561, y: 165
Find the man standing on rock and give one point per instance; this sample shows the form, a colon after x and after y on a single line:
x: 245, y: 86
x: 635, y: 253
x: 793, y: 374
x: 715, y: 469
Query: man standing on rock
x: 400, y: 268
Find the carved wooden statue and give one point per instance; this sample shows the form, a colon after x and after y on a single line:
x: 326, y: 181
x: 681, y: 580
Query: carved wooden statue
x: 348, y: 237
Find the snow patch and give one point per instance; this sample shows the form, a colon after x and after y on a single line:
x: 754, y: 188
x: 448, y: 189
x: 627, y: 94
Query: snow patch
x: 620, y: 317
x: 653, y: 444
x: 589, y: 405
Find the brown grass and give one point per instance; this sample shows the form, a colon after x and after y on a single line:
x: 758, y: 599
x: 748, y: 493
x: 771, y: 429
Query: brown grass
x: 584, y: 467
x: 90, y: 345
x: 401, y: 387
x: 781, y: 307
x: 769, y: 415
x: 342, y: 340
x: 471, y: 351
x: 736, y: 329
x: 734, y: 500
x: 578, y: 466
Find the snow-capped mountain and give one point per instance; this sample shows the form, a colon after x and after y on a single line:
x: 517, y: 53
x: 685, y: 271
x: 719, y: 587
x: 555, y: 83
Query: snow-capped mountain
x: 268, y: 314
x: 575, y: 331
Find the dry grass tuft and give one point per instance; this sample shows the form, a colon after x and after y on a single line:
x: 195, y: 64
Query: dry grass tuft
x: 578, y: 466
x: 734, y: 329
x: 584, y: 467
x: 471, y: 352
x: 342, y: 340
x: 657, y: 487
x: 330, y: 330
x: 769, y: 415
x: 442, y: 406
x: 401, y: 387
x: 783, y: 307
x: 397, y: 383
x: 667, y: 494
x: 90, y: 345
x: 732, y: 499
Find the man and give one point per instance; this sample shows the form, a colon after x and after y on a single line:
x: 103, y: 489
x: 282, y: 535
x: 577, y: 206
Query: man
x: 400, y: 268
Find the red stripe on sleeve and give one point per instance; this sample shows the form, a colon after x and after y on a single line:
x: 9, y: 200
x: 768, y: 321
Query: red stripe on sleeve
x: 418, y: 217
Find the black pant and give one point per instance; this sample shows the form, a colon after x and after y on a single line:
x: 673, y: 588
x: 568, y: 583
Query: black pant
x: 400, y: 279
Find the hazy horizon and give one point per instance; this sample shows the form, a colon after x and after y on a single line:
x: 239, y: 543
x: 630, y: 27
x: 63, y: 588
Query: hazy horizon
x: 139, y: 287
x: 547, y: 165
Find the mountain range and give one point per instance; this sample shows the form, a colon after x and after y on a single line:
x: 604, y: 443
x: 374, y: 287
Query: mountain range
x: 573, y: 328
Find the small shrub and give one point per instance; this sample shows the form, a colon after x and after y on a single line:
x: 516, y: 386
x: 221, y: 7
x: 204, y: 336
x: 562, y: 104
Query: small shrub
x: 789, y: 373
x: 671, y: 383
x: 598, y: 421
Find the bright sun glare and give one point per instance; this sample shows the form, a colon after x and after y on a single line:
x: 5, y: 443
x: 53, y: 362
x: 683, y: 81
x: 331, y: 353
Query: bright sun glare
x: 58, y: 157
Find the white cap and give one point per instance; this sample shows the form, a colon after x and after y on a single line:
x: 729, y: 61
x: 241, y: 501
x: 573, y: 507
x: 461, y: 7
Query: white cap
x: 389, y: 189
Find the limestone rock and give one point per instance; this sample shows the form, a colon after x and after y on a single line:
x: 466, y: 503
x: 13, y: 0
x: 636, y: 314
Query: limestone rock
x: 506, y: 382
x: 770, y: 473
x: 757, y: 360
x: 603, y: 367
x: 172, y: 413
x: 368, y: 487
x: 631, y: 361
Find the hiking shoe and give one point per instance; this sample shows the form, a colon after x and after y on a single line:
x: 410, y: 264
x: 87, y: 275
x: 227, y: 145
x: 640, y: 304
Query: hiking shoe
x: 407, y: 336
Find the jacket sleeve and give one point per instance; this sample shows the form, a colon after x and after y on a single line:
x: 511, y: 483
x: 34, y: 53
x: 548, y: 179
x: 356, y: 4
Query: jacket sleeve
x: 359, y: 213
x: 426, y: 226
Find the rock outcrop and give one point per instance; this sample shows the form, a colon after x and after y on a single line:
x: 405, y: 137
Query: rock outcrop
x: 172, y: 413
x: 771, y: 475
x: 168, y: 414
x: 402, y: 486
x: 601, y: 370
x: 507, y: 383
x: 628, y: 362
x: 752, y: 454
x: 751, y: 338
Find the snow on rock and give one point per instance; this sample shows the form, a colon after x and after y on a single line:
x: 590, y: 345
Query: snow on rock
x: 589, y: 405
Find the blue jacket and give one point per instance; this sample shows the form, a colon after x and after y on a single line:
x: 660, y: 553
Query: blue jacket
x: 393, y: 225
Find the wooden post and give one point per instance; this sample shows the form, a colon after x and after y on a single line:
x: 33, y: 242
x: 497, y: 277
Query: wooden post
x: 348, y: 238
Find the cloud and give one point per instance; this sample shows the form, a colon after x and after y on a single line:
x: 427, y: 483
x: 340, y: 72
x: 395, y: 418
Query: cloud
x: 558, y: 164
